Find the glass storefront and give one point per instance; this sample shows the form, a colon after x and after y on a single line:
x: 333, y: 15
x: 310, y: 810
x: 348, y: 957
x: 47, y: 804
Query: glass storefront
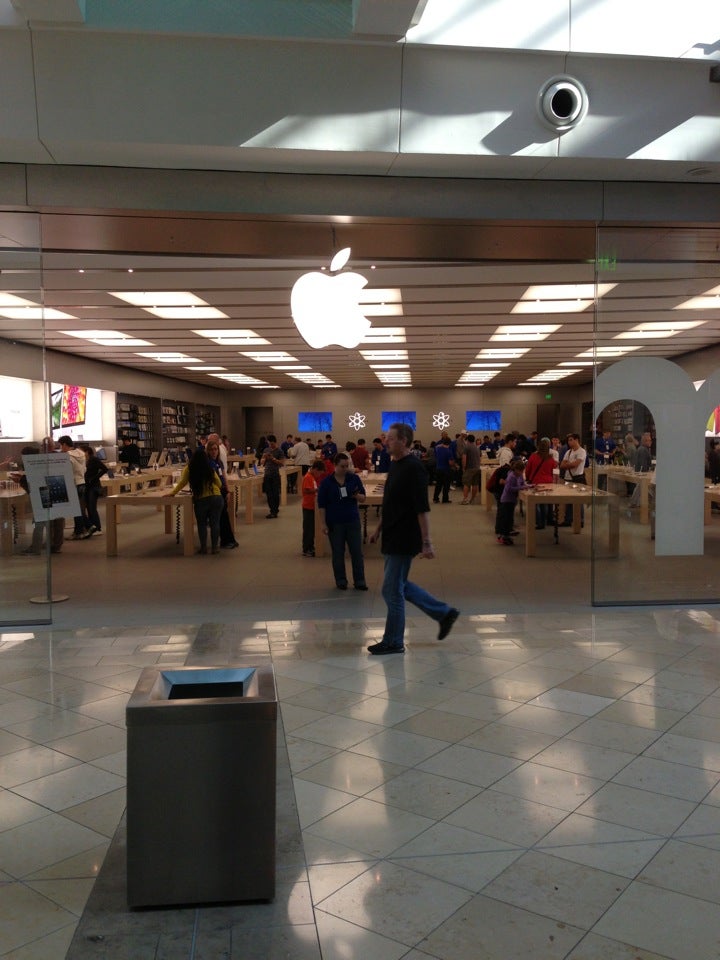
x: 663, y: 409
x: 25, y: 524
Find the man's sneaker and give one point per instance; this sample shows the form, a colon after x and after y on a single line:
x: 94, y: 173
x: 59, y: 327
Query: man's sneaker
x: 89, y: 532
x: 379, y: 649
x: 308, y: 553
x: 77, y: 536
x: 507, y: 541
x: 446, y: 624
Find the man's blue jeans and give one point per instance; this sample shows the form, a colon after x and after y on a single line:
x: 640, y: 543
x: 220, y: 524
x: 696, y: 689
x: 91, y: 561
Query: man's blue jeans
x: 396, y: 589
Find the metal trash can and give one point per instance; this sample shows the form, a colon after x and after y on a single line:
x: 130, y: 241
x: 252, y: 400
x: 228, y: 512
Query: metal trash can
x: 201, y: 774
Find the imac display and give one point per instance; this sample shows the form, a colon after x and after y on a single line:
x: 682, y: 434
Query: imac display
x: 74, y: 401
x: 389, y: 417
x: 482, y: 421
x: 315, y: 423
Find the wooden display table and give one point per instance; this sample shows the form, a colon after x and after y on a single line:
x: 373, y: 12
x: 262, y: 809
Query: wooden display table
x: 576, y: 494
x: 240, y: 462
x: 619, y: 476
x: 161, y: 477
x: 182, y: 502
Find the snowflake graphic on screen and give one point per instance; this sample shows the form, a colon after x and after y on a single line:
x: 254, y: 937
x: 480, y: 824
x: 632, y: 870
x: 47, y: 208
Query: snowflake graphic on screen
x: 441, y: 421
x: 356, y: 420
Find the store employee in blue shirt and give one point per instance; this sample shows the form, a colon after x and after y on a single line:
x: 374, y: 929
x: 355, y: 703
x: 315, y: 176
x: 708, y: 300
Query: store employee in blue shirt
x: 338, y: 497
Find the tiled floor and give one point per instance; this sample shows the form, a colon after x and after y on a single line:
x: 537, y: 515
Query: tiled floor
x: 536, y: 786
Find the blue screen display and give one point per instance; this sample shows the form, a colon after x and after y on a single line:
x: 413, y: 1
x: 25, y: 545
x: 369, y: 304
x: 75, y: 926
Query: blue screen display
x: 482, y: 421
x: 315, y: 422
x: 389, y: 417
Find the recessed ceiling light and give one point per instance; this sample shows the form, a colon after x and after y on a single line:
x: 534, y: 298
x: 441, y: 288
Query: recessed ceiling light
x: 265, y: 386
x: 576, y: 363
x: 389, y: 366
x: 384, y: 354
x: 169, y: 357
x: 10, y: 300
x: 186, y: 313
x: 239, y: 378
x: 493, y: 366
x: 514, y: 353
x: 607, y: 352
x: 233, y: 338
x: 159, y: 298
x: 710, y: 300
x: 522, y: 331
x: 567, y: 291
x: 107, y: 338
x: 554, y: 374
x: 537, y: 383
x: 294, y: 366
x: 551, y: 306
x: 34, y: 313
x: 658, y: 330
x: 205, y: 369
x: 275, y: 356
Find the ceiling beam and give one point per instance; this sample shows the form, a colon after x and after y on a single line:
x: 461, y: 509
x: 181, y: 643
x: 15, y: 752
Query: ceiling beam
x: 389, y: 19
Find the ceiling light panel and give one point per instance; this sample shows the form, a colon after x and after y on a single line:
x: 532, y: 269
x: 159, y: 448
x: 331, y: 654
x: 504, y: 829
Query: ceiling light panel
x: 567, y: 291
x: 159, y: 298
x: 551, y: 306
x: 658, y: 330
x: 186, y: 313
x: 107, y: 338
x: 277, y: 356
x: 710, y: 300
x: 239, y: 378
x: 530, y: 331
x: 233, y: 338
x: 34, y: 313
x: 205, y: 369
x: 169, y: 357
x: 607, y: 352
x: 511, y: 354
x: 384, y: 354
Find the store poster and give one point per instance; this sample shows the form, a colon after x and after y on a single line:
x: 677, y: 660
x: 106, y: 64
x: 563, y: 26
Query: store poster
x: 51, y: 486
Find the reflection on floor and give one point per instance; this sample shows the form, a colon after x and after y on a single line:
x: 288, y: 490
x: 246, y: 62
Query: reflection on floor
x: 541, y: 785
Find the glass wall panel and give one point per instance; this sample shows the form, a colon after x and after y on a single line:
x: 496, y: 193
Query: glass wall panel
x: 657, y: 400
x: 24, y: 422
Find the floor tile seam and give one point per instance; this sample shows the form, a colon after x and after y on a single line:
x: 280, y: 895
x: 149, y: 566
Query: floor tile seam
x: 625, y: 881
x: 692, y: 766
x: 638, y: 881
x: 63, y: 753
x: 318, y: 909
x: 27, y: 881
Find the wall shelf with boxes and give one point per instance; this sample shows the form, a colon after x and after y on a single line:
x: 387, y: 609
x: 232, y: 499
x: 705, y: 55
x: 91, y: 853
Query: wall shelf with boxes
x: 178, y: 423
x: 207, y: 420
x: 137, y: 418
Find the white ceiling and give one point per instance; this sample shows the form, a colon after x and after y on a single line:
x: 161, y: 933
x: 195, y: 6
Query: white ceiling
x: 449, y: 313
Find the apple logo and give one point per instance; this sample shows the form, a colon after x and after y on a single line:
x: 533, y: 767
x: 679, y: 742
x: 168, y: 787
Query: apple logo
x: 326, y: 309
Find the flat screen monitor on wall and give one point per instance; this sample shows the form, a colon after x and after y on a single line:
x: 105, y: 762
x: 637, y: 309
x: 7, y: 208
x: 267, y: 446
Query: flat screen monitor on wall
x: 482, y: 421
x: 389, y: 417
x: 75, y: 411
x: 55, y: 408
x: 74, y: 403
x: 315, y: 423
